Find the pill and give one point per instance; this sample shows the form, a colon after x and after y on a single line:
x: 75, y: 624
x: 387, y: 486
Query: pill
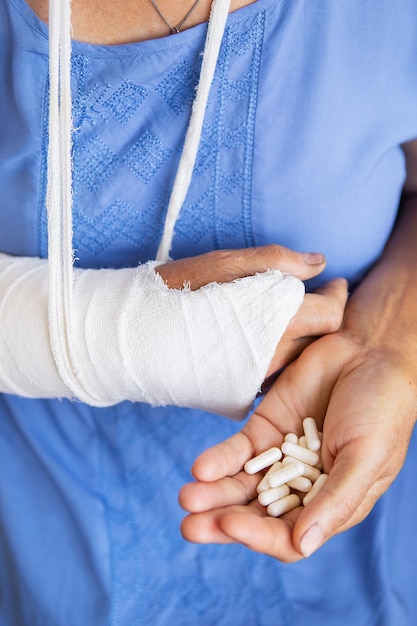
x: 284, y: 505
x: 285, y: 474
x: 264, y: 484
x: 272, y: 495
x: 302, y: 442
x: 302, y: 454
x: 309, y: 471
x: 319, y: 465
x: 315, y: 488
x: 311, y: 434
x: 292, y: 437
x: 263, y: 460
x: 274, y: 468
x: 301, y: 483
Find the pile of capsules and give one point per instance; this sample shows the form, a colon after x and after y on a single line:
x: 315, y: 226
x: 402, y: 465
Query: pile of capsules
x: 300, y: 470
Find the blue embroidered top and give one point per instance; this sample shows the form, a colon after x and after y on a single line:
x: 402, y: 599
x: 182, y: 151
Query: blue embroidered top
x: 301, y: 145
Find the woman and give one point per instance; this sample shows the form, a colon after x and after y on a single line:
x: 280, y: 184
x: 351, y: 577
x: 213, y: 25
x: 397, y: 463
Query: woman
x: 301, y: 145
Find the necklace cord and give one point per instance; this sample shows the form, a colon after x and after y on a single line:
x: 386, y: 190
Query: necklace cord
x: 177, y: 28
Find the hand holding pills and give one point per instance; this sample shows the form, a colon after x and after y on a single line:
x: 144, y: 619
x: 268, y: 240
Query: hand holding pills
x: 365, y: 408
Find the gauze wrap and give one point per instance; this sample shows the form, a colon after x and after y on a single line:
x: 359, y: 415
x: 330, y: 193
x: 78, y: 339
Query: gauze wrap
x: 138, y: 340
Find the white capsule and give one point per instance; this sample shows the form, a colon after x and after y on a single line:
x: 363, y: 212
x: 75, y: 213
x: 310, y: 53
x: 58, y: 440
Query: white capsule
x: 265, y: 459
x: 319, y: 465
x: 301, y: 483
x: 302, y: 454
x: 317, y: 486
x: 302, y: 442
x: 311, y: 433
x: 272, y: 495
x: 274, y: 468
x: 285, y: 474
x: 284, y: 505
x: 264, y: 484
x: 312, y: 473
x: 291, y: 437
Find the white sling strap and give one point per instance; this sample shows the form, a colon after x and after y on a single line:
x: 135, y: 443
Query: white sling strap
x: 59, y: 196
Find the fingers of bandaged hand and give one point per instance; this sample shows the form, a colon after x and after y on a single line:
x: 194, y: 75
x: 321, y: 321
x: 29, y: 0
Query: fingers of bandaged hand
x: 321, y: 313
x: 223, y: 266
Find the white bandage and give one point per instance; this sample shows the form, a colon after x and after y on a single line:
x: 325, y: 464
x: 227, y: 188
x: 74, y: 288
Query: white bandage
x: 139, y: 340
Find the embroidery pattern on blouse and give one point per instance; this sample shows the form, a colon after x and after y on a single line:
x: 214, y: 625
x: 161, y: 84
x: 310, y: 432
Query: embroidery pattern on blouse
x: 127, y: 142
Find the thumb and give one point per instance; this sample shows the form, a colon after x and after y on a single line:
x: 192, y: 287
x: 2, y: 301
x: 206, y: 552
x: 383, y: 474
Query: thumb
x: 355, y: 482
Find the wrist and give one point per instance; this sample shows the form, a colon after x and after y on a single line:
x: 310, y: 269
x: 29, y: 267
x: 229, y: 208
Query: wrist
x: 382, y: 312
x: 382, y: 326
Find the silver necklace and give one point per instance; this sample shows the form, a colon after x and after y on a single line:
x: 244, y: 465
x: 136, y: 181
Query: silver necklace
x: 177, y: 28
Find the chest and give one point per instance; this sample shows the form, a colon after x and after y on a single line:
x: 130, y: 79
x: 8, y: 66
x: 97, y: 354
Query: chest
x: 114, y: 22
x: 301, y: 140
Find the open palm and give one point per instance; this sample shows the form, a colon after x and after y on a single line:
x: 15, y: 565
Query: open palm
x: 364, y: 401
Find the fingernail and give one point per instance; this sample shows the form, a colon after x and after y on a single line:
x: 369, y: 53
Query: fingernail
x: 314, y: 258
x: 311, y: 540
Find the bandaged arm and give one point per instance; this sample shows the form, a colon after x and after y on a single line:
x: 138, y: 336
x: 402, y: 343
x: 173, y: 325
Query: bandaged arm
x: 139, y: 340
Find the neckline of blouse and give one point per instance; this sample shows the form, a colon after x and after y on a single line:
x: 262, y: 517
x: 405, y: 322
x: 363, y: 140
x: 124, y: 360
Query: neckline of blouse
x: 141, y: 47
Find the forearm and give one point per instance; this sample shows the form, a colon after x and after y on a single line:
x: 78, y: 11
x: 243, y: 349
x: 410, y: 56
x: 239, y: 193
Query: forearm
x: 382, y: 313
x: 136, y: 339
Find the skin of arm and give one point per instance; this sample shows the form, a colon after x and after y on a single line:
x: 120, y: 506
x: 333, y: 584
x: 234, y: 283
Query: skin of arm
x: 360, y: 384
x: 113, y: 22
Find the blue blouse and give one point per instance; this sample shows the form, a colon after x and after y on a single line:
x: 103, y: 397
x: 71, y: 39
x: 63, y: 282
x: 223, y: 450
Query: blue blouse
x: 301, y: 145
